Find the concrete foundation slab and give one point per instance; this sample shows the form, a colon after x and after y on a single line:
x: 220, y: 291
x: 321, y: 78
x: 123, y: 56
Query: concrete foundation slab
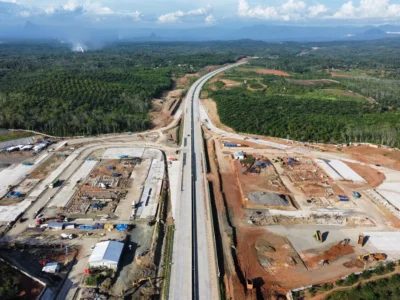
x: 70, y: 187
x: 115, y: 153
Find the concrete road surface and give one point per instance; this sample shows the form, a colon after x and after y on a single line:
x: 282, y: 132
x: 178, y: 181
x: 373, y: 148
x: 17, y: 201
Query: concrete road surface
x: 194, y: 271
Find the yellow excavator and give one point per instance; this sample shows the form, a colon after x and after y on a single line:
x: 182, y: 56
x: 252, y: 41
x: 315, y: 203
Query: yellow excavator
x: 372, y: 256
x: 141, y: 281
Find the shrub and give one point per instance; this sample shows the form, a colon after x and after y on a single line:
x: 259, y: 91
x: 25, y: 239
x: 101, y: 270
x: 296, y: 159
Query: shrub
x: 91, y: 280
x: 366, y: 274
x: 351, y: 279
x: 339, y: 282
x: 327, y: 286
x: 390, y: 267
x: 380, y: 269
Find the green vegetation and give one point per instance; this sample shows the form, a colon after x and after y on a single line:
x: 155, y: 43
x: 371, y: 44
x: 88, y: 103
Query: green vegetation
x: 311, y: 104
x: 46, y: 87
x: 381, y: 289
x: 179, y: 132
x: 306, y: 119
x: 98, y: 276
x: 168, y: 258
x: 9, y: 282
x: 10, y: 135
x: 249, y: 159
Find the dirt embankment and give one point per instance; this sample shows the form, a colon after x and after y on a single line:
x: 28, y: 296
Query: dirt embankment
x: 340, y: 75
x: 385, y: 157
x: 314, y: 81
x: 225, y: 237
x: 265, y: 71
x: 372, y: 176
x: 211, y: 108
x: 312, y: 261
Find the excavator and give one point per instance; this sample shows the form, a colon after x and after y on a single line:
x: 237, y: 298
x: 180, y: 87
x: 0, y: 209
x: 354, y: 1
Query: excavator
x: 372, y: 256
x: 141, y: 281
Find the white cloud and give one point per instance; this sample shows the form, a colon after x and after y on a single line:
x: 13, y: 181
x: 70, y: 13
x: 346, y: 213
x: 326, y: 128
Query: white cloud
x: 317, y: 10
x: 368, y: 9
x: 290, y: 10
x: 25, y: 13
x: 178, y: 16
x: 298, y: 10
x: 210, y: 20
x: 71, y: 5
x: 91, y: 9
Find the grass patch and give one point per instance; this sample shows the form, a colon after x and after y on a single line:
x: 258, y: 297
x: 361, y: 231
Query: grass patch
x: 179, y: 132
x: 219, y: 84
x: 333, y: 95
x: 254, y: 84
x: 12, y: 135
x: 248, y: 160
x: 168, y: 259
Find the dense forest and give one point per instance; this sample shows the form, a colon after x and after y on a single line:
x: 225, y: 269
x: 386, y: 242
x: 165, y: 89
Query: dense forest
x: 46, y: 87
x: 329, y: 96
x: 306, y: 58
x: 306, y: 119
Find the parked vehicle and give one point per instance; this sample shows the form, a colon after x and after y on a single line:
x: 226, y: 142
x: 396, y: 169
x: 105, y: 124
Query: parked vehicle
x: 65, y: 236
x: 54, y: 183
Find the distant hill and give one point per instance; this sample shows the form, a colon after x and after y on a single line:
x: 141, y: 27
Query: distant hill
x: 263, y: 32
x: 376, y: 32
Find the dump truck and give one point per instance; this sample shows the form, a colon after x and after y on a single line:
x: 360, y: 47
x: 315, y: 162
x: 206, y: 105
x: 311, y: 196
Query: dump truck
x: 40, y: 221
x: 249, y: 284
x: 361, y: 240
x: 318, y: 236
x: 372, y: 256
x: 54, y: 183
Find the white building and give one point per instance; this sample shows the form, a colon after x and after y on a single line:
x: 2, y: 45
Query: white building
x: 106, y: 254
x: 238, y: 155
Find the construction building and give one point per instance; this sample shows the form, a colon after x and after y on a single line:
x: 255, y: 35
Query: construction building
x: 106, y: 254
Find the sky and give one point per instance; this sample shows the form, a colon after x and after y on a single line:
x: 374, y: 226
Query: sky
x: 198, y: 13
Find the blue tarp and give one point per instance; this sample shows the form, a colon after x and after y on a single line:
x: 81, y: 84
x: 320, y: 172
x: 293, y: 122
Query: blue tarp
x: 85, y: 227
x: 14, y: 194
x: 98, y: 226
x: 122, y: 227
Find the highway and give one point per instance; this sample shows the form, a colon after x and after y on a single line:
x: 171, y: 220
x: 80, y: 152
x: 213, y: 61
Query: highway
x: 194, y: 269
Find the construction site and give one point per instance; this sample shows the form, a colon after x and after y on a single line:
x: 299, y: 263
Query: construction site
x: 73, y: 198
x: 137, y: 215
x: 294, y: 219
